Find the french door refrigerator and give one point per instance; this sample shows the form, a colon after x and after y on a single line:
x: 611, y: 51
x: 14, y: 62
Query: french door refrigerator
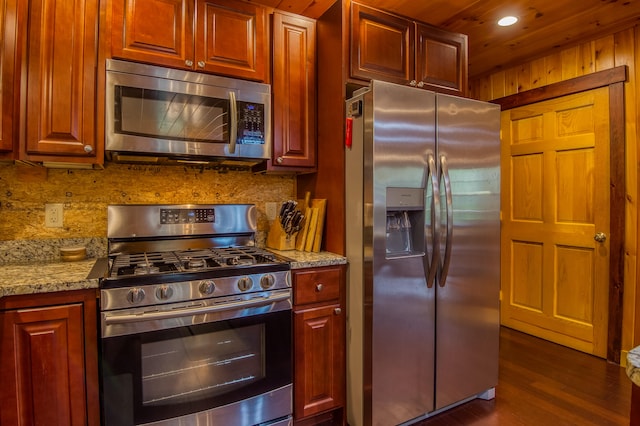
x: 423, y: 246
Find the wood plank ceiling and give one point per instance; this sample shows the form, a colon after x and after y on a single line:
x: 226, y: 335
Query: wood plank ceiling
x: 544, y: 25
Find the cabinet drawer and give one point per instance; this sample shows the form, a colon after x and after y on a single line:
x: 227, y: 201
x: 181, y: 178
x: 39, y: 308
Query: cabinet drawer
x: 316, y: 285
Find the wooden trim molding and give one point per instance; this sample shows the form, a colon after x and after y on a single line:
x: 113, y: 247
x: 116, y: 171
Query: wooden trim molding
x: 616, y: 218
x: 564, y: 88
x: 614, y: 78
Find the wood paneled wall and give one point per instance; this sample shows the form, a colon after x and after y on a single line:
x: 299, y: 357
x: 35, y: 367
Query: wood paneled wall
x: 621, y: 48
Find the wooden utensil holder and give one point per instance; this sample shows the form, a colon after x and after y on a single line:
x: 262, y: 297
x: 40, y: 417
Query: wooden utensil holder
x: 278, y: 239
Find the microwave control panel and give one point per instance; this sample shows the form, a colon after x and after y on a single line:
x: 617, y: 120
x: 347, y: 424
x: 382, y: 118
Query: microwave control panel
x: 251, y: 123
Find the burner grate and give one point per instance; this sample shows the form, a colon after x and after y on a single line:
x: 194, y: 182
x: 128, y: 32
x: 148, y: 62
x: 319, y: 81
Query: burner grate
x: 189, y: 260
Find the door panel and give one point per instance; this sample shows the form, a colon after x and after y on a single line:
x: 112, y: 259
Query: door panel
x: 555, y: 198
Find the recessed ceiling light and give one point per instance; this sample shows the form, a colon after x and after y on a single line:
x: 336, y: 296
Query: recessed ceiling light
x: 507, y: 20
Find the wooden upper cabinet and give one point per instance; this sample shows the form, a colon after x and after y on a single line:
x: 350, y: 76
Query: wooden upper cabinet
x: 226, y: 37
x: 60, y: 90
x: 232, y: 39
x: 155, y: 31
x: 382, y: 46
x: 9, y: 79
x: 294, y: 94
x: 441, y: 60
x: 396, y: 49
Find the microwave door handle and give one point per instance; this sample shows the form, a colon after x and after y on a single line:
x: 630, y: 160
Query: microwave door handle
x: 233, y: 125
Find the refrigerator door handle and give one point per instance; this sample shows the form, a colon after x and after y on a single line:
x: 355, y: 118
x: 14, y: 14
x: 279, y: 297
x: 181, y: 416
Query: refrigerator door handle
x: 431, y: 265
x: 444, y: 168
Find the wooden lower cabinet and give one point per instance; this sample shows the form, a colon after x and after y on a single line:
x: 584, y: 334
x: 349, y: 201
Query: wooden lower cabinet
x: 319, y: 345
x: 634, y: 419
x: 48, y: 359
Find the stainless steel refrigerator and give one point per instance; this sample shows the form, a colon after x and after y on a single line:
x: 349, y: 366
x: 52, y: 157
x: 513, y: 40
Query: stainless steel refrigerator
x: 423, y: 245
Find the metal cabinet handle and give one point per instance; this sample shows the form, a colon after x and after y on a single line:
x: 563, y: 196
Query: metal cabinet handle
x: 279, y: 160
x: 413, y: 83
x: 188, y: 63
x: 201, y: 64
x: 337, y: 311
x: 88, y: 149
x: 421, y: 84
x: 319, y: 287
x: 600, y: 237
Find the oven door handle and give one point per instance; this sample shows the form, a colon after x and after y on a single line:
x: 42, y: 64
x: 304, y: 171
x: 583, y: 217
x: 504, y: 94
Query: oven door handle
x: 199, y: 310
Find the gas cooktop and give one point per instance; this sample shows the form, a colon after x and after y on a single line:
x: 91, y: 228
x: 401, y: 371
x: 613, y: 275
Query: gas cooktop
x: 148, y: 263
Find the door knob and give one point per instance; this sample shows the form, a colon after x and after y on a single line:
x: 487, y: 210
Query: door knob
x: 600, y: 237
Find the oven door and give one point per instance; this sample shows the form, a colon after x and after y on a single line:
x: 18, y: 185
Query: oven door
x: 234, y: 366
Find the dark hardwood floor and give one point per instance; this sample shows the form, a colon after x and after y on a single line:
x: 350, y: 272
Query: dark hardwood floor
x: 542, y: 383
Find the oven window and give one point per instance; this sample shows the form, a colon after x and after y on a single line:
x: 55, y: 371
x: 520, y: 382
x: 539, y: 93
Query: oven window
x: 172, y: 116
x: 202, y: 366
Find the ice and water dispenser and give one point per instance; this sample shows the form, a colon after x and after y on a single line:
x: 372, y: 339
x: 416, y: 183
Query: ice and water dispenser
x: 405, y: 222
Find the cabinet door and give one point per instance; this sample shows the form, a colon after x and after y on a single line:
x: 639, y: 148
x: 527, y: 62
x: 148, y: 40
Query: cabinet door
x: 382, y: 46
x: 294, y: 92
x: 61, y: 80
x: 319, y: 335
x: 8, y: 79
x: 232, y: 39
x: 441, y: 60
x: 154, y: 31
x: 42, y: 365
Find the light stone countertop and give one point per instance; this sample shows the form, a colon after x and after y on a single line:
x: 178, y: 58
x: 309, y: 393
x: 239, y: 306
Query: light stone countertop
x: 633, y: 365
x: 32, y: 278
x: 38, y: 277
x: 305, y: 259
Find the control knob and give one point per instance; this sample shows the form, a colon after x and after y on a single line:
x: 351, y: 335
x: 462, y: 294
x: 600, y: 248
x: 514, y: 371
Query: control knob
x: 135, y: 295
x: 164, y: 292
x: 245, y: 283
x: 267, y: 281
x: 207, y: 287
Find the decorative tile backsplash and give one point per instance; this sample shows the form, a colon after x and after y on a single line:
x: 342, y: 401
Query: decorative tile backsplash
x: 85, y: 194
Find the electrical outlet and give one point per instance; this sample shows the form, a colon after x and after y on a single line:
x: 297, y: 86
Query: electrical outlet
x: 271, y: 210
x: 53, y: 215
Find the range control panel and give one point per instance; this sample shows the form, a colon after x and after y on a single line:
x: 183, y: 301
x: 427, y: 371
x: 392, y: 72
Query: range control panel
x: 178, y: 216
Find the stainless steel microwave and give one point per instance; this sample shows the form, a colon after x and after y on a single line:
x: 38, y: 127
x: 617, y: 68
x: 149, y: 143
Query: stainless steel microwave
x: 156, y: 114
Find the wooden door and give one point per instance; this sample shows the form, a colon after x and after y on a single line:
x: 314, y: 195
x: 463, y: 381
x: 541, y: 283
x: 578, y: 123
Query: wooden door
x: 154, y: 31
x: 61, y: 81
x: 555, y: 203
x: 42, y: 366
x: 232, y: 39
x: 382, y: 46
x: 294, y: 92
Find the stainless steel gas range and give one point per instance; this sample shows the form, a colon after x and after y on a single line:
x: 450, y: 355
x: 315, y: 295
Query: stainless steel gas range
x: 195, y: 319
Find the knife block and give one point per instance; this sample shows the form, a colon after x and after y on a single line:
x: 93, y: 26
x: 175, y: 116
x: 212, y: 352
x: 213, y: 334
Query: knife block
x: 278, y: 239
